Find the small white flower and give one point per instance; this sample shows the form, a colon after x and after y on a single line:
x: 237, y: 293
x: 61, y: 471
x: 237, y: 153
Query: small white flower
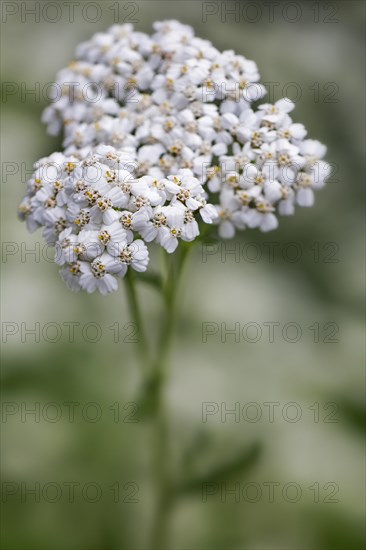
x: 133, y: 255
x: 71, y: 274
x: 207, y: 211
x: 172, y: 231
x: 229, y: 215
x: 262, y: 216
x: 97, y: 276
x: 190, y: 229
x: 149, y: 223
x: 185, y: 188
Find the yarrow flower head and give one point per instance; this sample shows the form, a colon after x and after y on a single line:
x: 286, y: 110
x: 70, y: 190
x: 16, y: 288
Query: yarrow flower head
x: 160, y: 138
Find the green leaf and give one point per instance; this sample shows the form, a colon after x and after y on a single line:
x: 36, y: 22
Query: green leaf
x: 239, y: 465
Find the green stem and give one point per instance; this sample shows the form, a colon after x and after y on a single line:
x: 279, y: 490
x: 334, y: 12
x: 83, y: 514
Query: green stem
x: 154, y: 385
x: 175, y: 269
x: 162, y: 477
x: 137, y: 318
x: 162, y: 460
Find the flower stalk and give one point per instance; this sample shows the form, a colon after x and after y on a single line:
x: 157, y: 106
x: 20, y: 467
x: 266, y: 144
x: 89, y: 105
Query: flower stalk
x: 131, y: 293
x: 156, y: 372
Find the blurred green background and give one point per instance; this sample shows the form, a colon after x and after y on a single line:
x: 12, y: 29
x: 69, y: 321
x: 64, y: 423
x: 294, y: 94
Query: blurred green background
x: 322, y: 453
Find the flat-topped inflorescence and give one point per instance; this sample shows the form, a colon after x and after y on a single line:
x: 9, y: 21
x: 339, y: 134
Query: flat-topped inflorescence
x: 167, y: 122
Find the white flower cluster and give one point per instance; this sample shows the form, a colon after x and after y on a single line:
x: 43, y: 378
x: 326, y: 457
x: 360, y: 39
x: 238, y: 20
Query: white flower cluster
x: 166, y: 122
x: 93, y: 210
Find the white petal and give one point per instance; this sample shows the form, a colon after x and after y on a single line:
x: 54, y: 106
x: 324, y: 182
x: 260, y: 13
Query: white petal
x: 226, y: 230
x: 305, y: 197
x: 269, y: 223
x: 107, y: 284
